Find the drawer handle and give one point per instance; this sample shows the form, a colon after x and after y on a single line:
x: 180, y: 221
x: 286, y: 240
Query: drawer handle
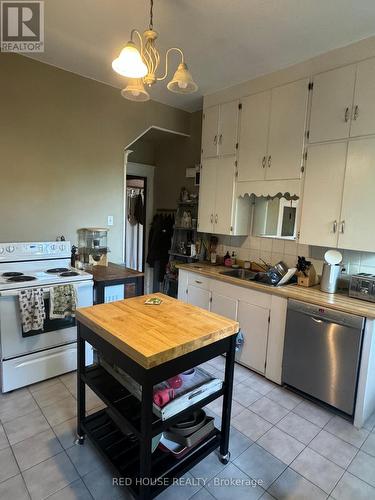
x: 199, y: 282
x: 346, y: 115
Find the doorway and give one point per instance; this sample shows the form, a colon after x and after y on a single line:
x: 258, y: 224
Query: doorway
x: 135, y: 240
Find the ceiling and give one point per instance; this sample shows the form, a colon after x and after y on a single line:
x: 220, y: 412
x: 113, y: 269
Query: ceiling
x: 225, y: 41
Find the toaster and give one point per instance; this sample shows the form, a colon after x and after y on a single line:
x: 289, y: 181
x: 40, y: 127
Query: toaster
x: 362, y: 286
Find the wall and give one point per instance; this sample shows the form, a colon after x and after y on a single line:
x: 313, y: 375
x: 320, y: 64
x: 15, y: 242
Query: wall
x: 172, y: 157
x: 62, y: 138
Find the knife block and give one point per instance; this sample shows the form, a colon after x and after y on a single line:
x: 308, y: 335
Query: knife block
x: 309, y: 280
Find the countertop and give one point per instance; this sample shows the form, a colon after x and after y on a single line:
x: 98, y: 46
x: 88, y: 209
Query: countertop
x: 113, y: 272
x: 313, y: 295
x: 154, y: 334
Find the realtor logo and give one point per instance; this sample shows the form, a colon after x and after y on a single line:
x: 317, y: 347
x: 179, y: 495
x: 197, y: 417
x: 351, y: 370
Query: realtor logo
x: 22, y: 26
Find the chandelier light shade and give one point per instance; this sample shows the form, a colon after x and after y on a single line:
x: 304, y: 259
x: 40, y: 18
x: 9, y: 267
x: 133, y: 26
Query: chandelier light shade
x: 135, y: 90
x: 140, y: 66
x: 182, y: 81
x: 129, y: 63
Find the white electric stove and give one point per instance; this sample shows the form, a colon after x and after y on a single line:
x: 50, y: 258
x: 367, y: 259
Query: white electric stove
x: 52, y: 351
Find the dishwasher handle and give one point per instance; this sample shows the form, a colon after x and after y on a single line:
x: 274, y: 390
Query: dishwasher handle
x: 326, y: 315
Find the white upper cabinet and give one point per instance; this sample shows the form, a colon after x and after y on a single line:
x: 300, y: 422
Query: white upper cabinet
x: 253, y: 136
x: 207, y: 195
x: 210, y: 131
x: 287, y: 130
x: 219, y: 211
x: 363, y: 113
x: 272, y: 128
x: 356, y: 229
x: 331, y: 106
x: 321, y: 204
x: 219, y: 130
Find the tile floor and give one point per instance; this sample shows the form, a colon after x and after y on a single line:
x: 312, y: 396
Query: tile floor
x: 282, y: 447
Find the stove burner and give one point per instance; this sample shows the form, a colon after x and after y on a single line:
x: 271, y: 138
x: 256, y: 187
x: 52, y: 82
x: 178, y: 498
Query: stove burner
x: 69, y: 273
x: 57, y: 270
x: 11, y: 274
x: 21, y: 278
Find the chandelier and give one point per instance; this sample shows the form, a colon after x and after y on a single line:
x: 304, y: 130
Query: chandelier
x: 140, y: 65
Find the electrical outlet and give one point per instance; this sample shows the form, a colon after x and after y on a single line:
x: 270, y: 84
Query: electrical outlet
x: 110, y: 220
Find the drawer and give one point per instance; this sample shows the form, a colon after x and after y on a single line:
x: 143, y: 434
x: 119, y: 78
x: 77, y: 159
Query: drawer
x: 199, y: 281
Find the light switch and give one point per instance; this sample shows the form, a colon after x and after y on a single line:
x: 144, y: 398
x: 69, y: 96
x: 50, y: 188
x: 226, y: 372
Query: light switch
x: 110, y: 220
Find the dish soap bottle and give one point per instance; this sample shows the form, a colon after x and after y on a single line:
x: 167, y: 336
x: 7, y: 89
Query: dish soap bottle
x: 227, y: 260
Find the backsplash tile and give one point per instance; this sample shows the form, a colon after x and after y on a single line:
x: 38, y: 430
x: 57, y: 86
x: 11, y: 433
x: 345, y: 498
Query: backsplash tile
x: 273, y: 250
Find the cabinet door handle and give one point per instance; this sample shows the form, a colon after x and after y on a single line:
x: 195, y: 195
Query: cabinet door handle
x: 212, y: 218
x: 334, y: 226
x: 342, y: 227
x: 215, y: 140
x: 356, y: 112
x: 269, y: 161
x: 346, y: 115
x: 220, y: 138
x: 216, y: 218
x: 264, y: 162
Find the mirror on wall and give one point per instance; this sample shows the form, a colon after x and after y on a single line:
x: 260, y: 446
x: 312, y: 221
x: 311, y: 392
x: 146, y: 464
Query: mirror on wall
x: 274, y: 217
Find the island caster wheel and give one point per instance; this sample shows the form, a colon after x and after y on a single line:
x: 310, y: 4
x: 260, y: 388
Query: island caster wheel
x: 224, y: 459
x: 80, y: 440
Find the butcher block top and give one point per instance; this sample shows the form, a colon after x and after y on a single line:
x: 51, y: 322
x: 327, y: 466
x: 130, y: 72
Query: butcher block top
x: 113, y: 272
x: 154, y: 334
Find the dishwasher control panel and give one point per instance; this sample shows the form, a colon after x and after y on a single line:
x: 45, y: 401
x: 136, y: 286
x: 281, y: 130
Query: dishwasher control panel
x: 362, y: 286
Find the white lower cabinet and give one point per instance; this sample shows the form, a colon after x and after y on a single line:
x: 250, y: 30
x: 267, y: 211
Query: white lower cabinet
x: 254, y: 321
x: 223, y: 305
x: 197, y: 296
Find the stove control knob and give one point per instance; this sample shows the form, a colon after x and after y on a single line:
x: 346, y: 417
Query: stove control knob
x: 10, y: 249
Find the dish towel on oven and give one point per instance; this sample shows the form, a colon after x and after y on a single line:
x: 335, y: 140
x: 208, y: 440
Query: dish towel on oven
x: 63, y: 302
x: 32, y: 309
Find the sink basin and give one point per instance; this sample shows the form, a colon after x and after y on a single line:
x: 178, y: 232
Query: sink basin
x: 243, y: 274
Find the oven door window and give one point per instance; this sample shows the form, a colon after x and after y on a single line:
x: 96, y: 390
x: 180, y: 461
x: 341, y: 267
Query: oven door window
x: 51, y: 325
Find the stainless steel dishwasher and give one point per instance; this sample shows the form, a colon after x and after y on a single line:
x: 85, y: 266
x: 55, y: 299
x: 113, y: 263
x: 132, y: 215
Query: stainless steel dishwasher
x: 322, y: 351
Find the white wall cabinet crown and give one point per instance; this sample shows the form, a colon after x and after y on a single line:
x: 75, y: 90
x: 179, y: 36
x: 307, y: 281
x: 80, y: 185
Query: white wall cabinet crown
x: 272, y: 131
x: 338, y: 202
x: 220, y: 212
x: 343, y: 103
x: 219, y: 130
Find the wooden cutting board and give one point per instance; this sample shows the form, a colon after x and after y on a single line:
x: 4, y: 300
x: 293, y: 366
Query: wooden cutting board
x: 154, y: 334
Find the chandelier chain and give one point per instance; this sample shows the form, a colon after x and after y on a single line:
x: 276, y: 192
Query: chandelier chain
x: 151, y: 14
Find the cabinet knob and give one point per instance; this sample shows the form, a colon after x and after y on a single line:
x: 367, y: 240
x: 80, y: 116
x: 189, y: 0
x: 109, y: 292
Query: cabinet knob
x: 264, y: 162
x: 334, y: 226
x: 269, y: 161
x: 216, y: 218
x: 212, y: 218
x: 215, y: 140
x: 220, y: 138
x: 346, y: 114
x: 342, y: 227
x: 356, y: 112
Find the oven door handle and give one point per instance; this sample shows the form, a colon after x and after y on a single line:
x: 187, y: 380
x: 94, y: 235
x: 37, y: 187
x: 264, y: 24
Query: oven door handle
x: 14, y: 293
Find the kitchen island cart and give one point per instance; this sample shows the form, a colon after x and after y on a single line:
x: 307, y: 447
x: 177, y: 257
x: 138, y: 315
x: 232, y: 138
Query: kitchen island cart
x: 150, y: 344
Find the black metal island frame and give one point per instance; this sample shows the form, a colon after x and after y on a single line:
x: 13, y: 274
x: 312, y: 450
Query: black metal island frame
x: 123, y: 431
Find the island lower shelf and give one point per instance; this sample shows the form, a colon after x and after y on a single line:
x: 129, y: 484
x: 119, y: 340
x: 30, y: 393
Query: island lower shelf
x: 123, y: 453
x: 126, y: 406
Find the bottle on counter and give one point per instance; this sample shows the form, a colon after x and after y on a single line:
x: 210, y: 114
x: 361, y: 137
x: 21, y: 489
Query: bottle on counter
x: 227, y: 260
x: 233, y: 258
